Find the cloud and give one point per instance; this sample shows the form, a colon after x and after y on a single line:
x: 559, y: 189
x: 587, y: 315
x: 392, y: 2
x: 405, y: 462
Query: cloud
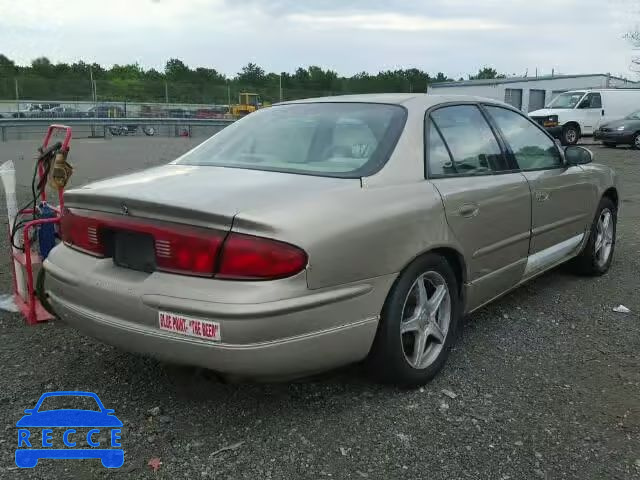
x: 392, y: 21
x: 453, y: 36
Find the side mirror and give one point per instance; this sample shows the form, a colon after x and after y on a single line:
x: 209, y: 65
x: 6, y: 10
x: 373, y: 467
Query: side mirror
x: 575, y: 155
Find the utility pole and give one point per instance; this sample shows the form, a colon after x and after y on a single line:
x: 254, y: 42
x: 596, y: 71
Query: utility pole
x: 93, y: 85
x: 229, y: 96
x: 280, y: 86
x: 166, y: 92
x: 15, y: 80
x: 95, y: 91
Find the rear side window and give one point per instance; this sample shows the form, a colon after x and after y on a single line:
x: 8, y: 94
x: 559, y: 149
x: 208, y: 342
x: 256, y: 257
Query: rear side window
x: 439, y: 159
x: 472, y: 144
x: 532, y: 148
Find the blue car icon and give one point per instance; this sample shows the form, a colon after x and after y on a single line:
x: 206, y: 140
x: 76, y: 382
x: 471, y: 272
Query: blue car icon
x: 69, y: 433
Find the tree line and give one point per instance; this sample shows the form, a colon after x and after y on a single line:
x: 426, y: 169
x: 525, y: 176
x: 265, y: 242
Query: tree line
x: 178, y: 82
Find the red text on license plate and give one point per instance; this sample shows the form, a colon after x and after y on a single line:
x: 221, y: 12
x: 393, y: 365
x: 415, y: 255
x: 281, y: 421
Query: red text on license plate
x: 193, y: 327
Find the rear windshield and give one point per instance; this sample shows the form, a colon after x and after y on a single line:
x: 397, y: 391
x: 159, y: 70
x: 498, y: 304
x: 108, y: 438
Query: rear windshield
x: 326, y: 139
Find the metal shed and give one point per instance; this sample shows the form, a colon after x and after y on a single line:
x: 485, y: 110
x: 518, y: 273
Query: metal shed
x: 529, y: 93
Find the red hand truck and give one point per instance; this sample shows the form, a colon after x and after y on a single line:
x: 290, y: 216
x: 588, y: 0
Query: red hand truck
x: 28, y: 303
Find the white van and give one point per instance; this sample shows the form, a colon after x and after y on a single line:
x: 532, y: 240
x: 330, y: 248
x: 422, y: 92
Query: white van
x: 577, y: 113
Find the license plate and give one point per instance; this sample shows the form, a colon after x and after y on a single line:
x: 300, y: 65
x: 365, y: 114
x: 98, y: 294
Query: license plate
x: 189, y: 326
x: 134, y: 250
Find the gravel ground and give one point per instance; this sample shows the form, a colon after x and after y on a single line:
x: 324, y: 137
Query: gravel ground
x: 544, y: 383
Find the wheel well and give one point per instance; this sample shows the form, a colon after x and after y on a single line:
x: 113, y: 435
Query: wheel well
x: 456, y: 261
x: 573, y: 124
x: 611, y: 194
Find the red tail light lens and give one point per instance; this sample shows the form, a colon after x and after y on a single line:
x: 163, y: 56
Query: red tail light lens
x: 82, y: 233
x: 185, y: 249
x: 245, y: 257
x: 188, y: 250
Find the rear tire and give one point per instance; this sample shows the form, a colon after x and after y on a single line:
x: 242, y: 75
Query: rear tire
x: 597, y: 255
x: 636, y: 141
x: 570, y: 135
x: 418, y: 325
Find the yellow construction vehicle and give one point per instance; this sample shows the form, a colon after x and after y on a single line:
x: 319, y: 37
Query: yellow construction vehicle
x: 247, y: 103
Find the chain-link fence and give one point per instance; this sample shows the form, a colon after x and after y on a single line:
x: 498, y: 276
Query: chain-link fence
x: 20, y: 93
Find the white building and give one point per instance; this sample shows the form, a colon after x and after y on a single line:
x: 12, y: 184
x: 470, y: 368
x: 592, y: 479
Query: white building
x: 529, y: 93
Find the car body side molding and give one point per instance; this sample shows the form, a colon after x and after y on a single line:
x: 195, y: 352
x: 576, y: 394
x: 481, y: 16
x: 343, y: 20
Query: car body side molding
x: 549, y: 256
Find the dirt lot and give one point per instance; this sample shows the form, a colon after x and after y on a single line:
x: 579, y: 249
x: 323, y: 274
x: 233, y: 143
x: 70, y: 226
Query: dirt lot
x: 546, y: 382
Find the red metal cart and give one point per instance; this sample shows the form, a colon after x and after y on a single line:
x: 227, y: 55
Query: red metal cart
x: 28, y: 304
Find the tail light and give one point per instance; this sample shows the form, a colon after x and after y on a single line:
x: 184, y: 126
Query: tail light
x: 82, y: 233
x: 188, y: 250
x: 247, y: 257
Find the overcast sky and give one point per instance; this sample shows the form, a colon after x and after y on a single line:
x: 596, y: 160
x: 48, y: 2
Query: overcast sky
x: 349, y: 36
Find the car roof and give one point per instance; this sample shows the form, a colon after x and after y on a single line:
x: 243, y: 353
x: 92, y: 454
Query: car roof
x: 418, y: 100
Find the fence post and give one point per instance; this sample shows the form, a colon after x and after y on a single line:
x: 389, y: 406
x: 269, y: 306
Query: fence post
x: 3, y: 134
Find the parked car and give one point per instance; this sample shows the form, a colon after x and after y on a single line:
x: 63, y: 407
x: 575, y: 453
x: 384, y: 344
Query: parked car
x: 625, y: 131
x: 322, y: 232
x: 106, y: 111
x: 179, y: 113
x: 62, y: 112
x: 578, y: 113
x: 217, y: 112
x: 34, y: 110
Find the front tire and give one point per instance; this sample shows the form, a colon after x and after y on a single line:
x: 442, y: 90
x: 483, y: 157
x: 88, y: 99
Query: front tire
x: 636, y: 141
x: 570, y: 135
x: 597, y: 255
x: 418, y: 324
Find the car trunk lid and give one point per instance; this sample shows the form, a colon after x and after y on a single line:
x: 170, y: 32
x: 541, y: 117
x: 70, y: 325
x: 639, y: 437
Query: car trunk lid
x: 199, y: 195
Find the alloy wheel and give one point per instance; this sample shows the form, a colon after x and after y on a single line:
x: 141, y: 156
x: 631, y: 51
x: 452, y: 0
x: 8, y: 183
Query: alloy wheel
x: 425, y: 321
x: 604, y: 237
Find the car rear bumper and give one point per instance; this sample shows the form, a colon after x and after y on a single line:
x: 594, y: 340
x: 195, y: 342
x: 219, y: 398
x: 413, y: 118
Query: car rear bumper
x: 308, y: 332
x: 617, y: 138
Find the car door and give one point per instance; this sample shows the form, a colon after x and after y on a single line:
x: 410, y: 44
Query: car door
x: 591, y: 111
x: 487, y: 204
x: 561, y: 195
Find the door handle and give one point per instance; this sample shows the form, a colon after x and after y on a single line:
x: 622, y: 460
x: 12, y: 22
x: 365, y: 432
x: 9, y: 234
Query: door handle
x: 542, y: 196
x: 603, y: 112
x: 469, y: 210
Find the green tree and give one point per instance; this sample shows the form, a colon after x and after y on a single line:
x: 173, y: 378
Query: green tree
x: 486, y: 73
x: 209, y: 75
x: 5, y: 62
x: 42, y: 66
x: 126, y: 71
x: 251, y: 74
x: 176, y: 69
